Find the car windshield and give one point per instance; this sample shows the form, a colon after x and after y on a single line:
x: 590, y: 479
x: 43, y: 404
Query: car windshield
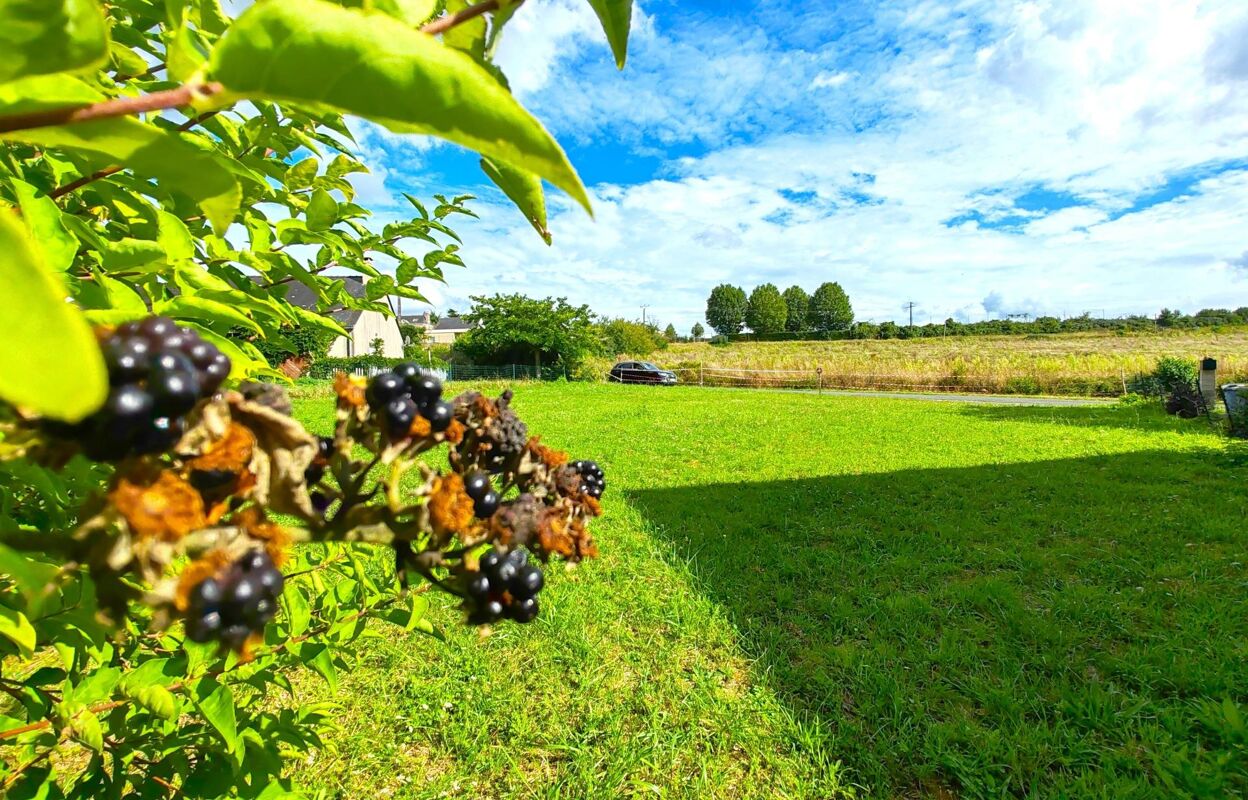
x: 648, y: 365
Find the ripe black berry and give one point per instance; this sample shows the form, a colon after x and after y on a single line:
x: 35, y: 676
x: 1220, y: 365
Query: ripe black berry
x: 527, y: 582
x: 485, y: 505
x: 158, y: 372
x: 425, y: 389
x: 593, y: 481
x: 506, y: 584
x: 231, y: 607
x: 439, y: 415
x: 399, y: 415
x: 408, y: 371
x: 385, y: 387
x: 523, y: 610
x: 477, y: 484
x: 313, y: 474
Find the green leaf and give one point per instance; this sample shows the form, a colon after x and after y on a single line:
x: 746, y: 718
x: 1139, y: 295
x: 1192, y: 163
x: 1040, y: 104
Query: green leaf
x: 320, y: 321
x: 42, y: 36
x: 95, y: 687
x: 17, y: 629
x: 44, y: 218
x: 216, y: 703
x: 201, y: 308
x: 377, y: 67
x: 298, y: 614
x: 616, y: 17
x: 522, y: 188
x: 86, y: 728
x: 419, y: 607
x: 162, y: 671
x: 322, y: 211
x: 43, y: 329
x: 176, y: 164
x: 174, y: 237
x: 322, y: 663
x: 33, y: 578
x: 158, y: 700
x: 467, y: 37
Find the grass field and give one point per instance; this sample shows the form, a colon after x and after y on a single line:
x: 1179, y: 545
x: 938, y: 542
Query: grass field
x: 803, y: 597
x: 1094, y: 363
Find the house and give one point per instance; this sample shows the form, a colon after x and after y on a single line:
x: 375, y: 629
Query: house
x: 447, y: 330
x: 363, y: 326
x: 424, y: 320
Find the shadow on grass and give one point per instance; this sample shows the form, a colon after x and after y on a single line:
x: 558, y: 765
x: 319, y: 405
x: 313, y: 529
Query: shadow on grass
x: 1141, y: 417
x: 1060, y: 628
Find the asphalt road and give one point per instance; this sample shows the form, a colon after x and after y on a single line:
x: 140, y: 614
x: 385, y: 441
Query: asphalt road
x: 983, y: 399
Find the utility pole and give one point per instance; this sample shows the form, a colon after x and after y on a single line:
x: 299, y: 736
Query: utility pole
x: 910, y: 306
x: 643, y: 314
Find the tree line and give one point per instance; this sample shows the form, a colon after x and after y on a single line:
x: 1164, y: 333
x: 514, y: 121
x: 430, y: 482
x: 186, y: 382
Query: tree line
x: 768, y: 311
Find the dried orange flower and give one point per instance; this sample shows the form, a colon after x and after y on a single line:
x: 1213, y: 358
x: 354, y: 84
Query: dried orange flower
x: 556, y: 533
x: 350, y: 390
x: 548, y: 456
x: 231, y: 453
x: 420, y: 428
x: 166, y: 508
x: 450, y: 507
x: 455, y: 433
x: 274, y: 536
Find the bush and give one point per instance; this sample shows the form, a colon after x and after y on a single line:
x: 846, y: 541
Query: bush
x: 1169, y: 375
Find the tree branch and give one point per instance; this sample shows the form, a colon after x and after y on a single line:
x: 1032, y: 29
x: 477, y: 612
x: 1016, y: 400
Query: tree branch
x: 113, y: 170
x: 117, y: 107
x: 443, y: 24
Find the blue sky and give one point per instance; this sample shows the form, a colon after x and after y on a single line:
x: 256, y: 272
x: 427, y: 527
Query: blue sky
x: 979, y: 158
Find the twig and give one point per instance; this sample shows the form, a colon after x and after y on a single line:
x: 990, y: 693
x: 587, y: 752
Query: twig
x: 33, y: 760
x: 106, y: 109
x: 443, y: 24
x: 113, y: 170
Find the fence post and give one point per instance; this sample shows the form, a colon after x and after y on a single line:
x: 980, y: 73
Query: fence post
x: 819, y: 377
x: 1122, y: 371
x: 700, y: 383
x: 513, y: 372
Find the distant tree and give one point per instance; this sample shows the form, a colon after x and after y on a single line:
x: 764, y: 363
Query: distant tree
x: 377, y: 346
x: 1048, y: 324
x: 697, y: 330
x: 512, y: 328
x: 621, y: 336
x: 830, y: 309
x: 889, y: 330
x: 413, y: 335
x: 766, y: 310
x: 1169, y: 319
x: 798, y: 301
x: 669, y: 333
x: 725, y: 309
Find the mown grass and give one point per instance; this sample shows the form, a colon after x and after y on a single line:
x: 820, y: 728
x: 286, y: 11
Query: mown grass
x: 1082, y: 364
x: 803, y: 596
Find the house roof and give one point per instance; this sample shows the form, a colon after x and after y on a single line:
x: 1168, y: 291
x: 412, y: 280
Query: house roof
x: 416, y: 319
x: 302, y: 296
x: 451, y: 324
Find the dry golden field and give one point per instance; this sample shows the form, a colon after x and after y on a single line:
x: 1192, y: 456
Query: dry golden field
x: 1093, y: 363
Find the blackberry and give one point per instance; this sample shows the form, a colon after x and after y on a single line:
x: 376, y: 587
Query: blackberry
x: 231, y: 607
x: 485, y: 506
x: 396, y: 397
x: 593, y: 481
x: 157, y: 372
x: 504, y: 585
x: 400, y: 413
x: 439, y: 415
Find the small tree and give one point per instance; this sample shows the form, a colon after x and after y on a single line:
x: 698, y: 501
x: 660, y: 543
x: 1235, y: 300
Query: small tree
x: 830, y: 309
x: 766, y: 312
x: 377, y: 346
x: 697, y: 331
x: 725, y: 309
x: 798, y: 301
x: 669, y: 333
x: 512, y: 328
x: 621, y: 336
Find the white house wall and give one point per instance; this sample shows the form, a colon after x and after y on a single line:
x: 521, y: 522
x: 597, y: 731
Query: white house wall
x: 369, y: 326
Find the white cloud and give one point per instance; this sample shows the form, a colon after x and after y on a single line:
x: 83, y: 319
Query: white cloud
x: 829, y: 80
x: 949, y: 113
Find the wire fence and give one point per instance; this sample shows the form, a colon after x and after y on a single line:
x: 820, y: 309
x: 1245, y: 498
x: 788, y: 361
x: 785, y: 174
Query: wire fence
x: 816, y: 379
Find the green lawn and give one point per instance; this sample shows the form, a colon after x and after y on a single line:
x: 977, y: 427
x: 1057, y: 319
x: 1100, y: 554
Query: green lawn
x: 803, y: 595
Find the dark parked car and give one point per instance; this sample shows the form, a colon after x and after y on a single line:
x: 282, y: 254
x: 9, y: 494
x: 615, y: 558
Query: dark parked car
x: 641, y: 372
